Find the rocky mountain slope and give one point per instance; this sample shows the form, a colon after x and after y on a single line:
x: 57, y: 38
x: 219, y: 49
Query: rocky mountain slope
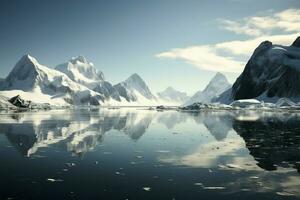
x: 272, y: 72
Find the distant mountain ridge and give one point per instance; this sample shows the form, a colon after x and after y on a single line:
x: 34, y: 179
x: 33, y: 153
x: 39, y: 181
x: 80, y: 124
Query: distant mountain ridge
x: 216, y: 86
x: 172, y: 95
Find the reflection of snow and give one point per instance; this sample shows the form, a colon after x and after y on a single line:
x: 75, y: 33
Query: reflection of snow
x: 283, y: 181
x: 78, y: 131
x: 209, y: 155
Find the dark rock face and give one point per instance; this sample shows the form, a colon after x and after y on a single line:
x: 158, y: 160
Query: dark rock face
x: 272, y: 71
x: 19, y: 102
x: 161, y: 107
x: 245, y: 87
x: 272, y: 142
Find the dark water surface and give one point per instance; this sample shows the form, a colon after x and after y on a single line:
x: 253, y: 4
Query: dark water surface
x: 143, y: 154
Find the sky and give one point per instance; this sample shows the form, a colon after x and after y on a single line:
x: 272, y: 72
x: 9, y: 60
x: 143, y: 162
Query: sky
x: 178, y: 43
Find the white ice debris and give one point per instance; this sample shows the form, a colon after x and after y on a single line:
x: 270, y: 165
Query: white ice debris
x: 148, y: 189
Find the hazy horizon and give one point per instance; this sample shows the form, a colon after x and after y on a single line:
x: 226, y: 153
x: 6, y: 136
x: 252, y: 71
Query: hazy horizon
x: 163, y: 41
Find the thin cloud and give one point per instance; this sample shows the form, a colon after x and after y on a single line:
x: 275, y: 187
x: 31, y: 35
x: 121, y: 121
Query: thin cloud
x: 285, y: 21
x: 229, y: 56
x: 203, y: 57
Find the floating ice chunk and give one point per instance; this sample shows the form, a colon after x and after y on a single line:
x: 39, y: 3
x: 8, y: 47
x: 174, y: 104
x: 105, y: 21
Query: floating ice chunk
x: 54, y: 180
x: 70, y: 164
x: 148, y: 189
x: 198, y: 184
x: 233, y: 166
x: 163, y: 151
x: 214, y: 188
x: 284, y: 193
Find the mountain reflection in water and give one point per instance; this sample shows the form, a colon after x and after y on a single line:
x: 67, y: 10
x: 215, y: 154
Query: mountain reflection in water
x: 260, y: 152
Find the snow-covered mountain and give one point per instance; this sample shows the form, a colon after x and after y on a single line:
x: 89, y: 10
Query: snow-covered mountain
x: 172, y: 95
x: 272, y: 72
x: 40, y: 84
x: 216, y: 86
x: 76, y: 82
x: 83, y: 72
x: 135, y: 89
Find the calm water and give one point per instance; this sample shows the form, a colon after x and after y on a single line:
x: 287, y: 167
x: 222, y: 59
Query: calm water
x: 142, y: 154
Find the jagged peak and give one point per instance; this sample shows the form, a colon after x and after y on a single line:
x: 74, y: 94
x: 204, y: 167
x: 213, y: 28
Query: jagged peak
x: 218, y: 76
x: 79, y: 58
x: 27, y: 58
x: 134, y: 77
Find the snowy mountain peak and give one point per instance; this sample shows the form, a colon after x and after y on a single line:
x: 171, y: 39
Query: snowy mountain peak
x: 26, y: 61
x: 134, y: 78
x: 26, y: 70
x: 133, y: 87
x: 27, y: 58
x: 218, y: 77
x: 137, y: 83
x: 41, y: 84
x: 172, y: 95
x: 216, y: 86
x: 81, y: 71
x: 218, y: 82
x: 79, y: 58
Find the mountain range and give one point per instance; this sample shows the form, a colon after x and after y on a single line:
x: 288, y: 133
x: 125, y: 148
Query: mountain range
x: 272, y: 72
x: 76, y: 82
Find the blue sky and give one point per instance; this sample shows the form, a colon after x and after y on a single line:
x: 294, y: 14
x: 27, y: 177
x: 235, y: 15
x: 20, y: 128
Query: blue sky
x: 179, y: 43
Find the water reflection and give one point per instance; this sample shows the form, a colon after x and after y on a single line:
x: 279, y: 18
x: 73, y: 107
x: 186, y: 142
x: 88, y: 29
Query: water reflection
x: 246, y: 151
x: 77, y: 131
x: 272, y: 139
